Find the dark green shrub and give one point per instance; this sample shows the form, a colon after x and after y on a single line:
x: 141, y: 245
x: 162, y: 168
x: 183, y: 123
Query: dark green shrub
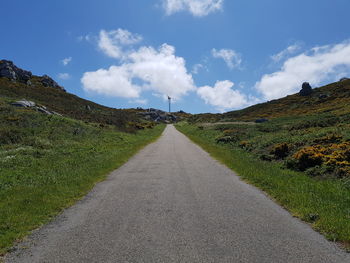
x: 280, y: 150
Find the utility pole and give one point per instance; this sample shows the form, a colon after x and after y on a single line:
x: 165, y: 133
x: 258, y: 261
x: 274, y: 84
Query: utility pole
x: 169, y: 99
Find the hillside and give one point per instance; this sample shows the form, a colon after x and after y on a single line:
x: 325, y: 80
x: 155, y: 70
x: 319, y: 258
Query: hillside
x: 56, y: 99
x: 333, y: 98
x: 304, y: 133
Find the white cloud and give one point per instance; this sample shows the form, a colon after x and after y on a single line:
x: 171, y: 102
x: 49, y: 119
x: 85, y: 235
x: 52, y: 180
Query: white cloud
x: 64, y: 76
x: 195, y: 7
x: 66, y: 61
x: 196, y: 68
x: 146, y: 69
x: 111, y: 42
x: 162, y: 71
x: 116, y: 82
x: 223, y: 97
x: 231, y: 57
x: 316, y: 66
x: 286, y: 52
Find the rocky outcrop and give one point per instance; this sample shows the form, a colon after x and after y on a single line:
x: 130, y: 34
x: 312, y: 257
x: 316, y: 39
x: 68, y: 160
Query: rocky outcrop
x: 306, y: 89
x: 10, y: 71
x: 158, y: 115
x: 30, y: 104
x: 49, y: 82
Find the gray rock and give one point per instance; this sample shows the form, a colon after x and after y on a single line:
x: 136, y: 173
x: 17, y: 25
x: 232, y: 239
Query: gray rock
x: 343, y: 79
x: 49, y: 82
x: 42, y: 110
x: 30, y: 104
x: 24, y: 103
x: 10, y: 71
x: 158, y: 115
x: 306, y: 89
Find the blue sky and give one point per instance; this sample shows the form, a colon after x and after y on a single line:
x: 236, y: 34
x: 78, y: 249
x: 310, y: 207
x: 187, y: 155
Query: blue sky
x: 208, y: 55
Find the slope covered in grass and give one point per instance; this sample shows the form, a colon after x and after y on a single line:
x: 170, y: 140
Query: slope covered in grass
x: 67, y: 104
x: 333, y: 98
x: 49, y: 162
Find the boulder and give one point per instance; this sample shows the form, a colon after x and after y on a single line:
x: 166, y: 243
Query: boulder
x: 49, y: 82
x: 306, y: 89
x: 10, y: 71
x: 343, y: 79
x: 43, y: 110
x: 30, y: 104
x: 24, y: 103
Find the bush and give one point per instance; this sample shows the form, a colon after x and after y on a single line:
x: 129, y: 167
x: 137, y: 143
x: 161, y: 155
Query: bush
x: 280, y: 150
x: 308, y: 157
x: 336, y: 157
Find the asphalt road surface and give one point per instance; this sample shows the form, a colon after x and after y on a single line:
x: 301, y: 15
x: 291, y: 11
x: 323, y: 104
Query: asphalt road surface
x: 173, y: 203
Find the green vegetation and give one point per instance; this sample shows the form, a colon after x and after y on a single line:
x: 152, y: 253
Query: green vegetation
x: 310, y: 133
x: 68, y: 104
x: 48, y: 162
x: 317, y: 144
x: 261, y: 155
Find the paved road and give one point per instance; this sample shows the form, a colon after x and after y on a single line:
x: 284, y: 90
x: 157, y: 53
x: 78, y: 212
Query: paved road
x: 173, y: 203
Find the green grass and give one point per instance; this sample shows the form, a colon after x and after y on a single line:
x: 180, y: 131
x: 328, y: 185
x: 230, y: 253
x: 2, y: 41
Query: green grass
x: 324, y: 203
x: 69, y: 105
x: 49, y: 162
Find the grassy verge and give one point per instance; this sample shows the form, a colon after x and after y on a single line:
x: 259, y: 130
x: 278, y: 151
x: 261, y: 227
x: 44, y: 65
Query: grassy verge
x: 49, y: 162
x: 324, y: 203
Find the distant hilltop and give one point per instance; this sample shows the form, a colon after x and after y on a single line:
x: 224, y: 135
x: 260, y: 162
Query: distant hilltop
x: 9, y: 70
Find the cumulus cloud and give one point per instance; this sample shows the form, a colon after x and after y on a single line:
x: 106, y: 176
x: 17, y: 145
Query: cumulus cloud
x: 286, y: 52
x: 158, y: 70
x: 64, y: 76
x: 112, y: 42
x: 315, y: 66
x: 195, y: 7
x: 115, y: 81
x: 162, y: 71
x: 223, y: 97
x: 66, y: 61
x: 231, y: 57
